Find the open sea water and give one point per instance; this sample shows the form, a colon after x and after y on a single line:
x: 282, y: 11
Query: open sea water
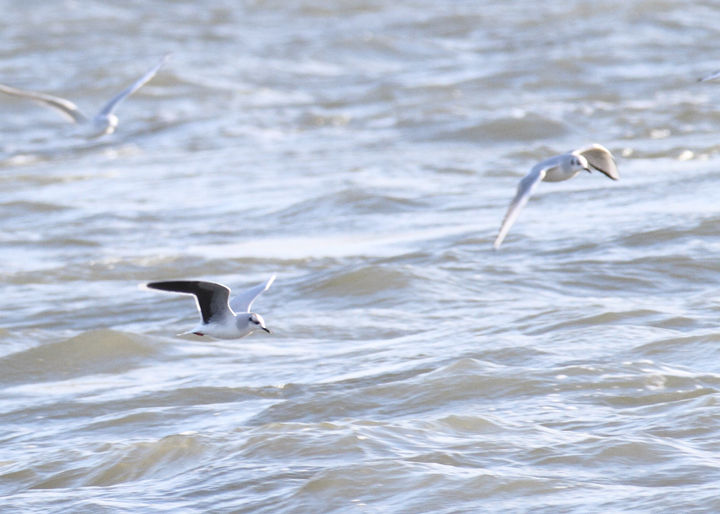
x: 366, y: 151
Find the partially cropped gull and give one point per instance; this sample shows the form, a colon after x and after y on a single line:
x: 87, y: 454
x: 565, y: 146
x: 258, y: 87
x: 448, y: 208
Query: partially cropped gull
x: 556, y: 169
x: 222, y: 317
x: 102, y: 123
x: 710, y: 77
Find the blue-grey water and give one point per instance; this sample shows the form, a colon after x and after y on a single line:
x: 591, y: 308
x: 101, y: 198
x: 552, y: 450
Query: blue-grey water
x: 366, y: 151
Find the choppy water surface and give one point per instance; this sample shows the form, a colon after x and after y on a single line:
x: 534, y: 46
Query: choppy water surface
x: 365, y: 151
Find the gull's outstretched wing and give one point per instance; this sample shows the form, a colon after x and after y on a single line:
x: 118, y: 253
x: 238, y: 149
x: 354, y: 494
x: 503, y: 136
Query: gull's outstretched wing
x: 601, y: 159
x: 117, y: 99
x: 211, y: 298
x: 65, y: 107
x: 243, y: 301
x: 525, y: 188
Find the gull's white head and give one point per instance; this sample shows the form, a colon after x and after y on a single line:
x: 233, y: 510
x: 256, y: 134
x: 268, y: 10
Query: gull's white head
x: 104, y: 124
x: 256, y: 322
x: 578, y: 163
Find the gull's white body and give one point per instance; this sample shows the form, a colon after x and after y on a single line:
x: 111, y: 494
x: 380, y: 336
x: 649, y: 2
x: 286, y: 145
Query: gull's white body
x: 230, y: 319
x: 230, y: 327
x: 103, y: 123
x: 236, y: 323
x: 556, y: 169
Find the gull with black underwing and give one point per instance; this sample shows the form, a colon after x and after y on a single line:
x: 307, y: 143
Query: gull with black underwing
x: 222, y: 317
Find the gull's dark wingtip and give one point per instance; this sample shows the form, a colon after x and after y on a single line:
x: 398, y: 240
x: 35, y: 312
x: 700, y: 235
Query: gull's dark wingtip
x: 176, y: 286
